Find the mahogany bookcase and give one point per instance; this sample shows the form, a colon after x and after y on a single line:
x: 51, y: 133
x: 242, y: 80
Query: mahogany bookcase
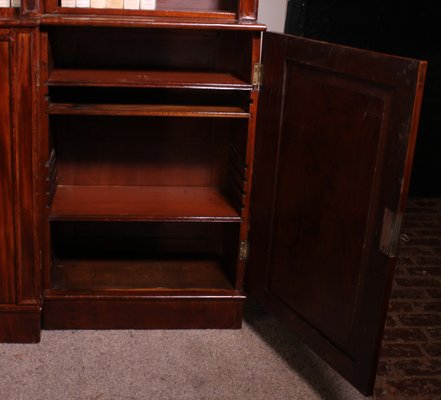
x: 144, y: 185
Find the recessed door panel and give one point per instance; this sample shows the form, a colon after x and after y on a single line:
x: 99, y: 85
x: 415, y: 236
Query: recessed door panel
x: 7, y: 252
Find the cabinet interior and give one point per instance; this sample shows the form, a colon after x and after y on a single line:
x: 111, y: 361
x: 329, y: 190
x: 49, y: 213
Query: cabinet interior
x: 146, y: 159
x: 180, y: 58
x: 131, y: 159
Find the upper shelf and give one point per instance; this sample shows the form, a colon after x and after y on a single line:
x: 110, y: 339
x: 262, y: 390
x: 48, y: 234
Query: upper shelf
x: 137, y: 20
x: 147, y: 79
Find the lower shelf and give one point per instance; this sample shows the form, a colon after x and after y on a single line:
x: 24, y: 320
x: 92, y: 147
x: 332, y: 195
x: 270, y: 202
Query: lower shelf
x: 165, y: 273
x: 77, y: 312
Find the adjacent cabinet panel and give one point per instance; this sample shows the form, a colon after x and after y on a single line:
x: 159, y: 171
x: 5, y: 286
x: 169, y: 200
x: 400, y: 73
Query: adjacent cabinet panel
x: 336, y: 132
x: 7, y: 253
x: 19, y: 294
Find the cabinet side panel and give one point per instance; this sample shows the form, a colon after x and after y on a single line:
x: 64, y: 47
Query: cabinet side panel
x: 7, y: 264
x: 24, y: 134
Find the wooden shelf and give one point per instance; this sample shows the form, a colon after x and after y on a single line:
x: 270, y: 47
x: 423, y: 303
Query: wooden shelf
x: 153, y: 21
x: 167, y: 273
x: 147, y: 79
x: 141, y: 203
x: 148, y: 110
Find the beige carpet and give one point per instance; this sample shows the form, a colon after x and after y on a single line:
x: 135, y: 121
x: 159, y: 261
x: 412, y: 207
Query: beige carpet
x: 260, y: 361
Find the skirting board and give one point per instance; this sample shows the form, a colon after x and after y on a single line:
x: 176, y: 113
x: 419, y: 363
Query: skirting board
x: 155, y: 313
x: 20, y: 324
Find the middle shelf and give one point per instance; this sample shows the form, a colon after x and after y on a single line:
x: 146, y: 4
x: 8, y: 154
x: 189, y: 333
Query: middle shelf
x: 147, y: 79
x: 114, y: 168
x: 148, y: 110
x: 140, y: 203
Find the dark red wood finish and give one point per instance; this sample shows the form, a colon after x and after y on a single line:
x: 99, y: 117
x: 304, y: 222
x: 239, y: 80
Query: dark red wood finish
x: 25, y: 135
x: 7, y: 255
x: 336, y: 135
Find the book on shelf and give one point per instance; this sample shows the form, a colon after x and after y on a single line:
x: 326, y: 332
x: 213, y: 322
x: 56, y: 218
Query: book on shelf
x: 98, y: 3
x: 83, y: 3
x: 131, y: 4
x: 5, y: 3
x: 68, y: 3
x: 115, y: 3
x: 148, y: 4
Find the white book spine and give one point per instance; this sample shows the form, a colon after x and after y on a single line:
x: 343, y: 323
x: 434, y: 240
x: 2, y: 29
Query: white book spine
x: 5, y: 3
x: 83, y: 3
x: 115, y: 3
x: 98, y: 3
x: 68, y: 3
x: 16, y: 3
x: 148, y: 4
x: 131, y: 4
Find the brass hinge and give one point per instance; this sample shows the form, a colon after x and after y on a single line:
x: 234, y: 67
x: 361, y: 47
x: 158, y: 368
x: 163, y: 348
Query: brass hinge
x: 243, y: 251
x: 390, y: 235
x: 257, y: 76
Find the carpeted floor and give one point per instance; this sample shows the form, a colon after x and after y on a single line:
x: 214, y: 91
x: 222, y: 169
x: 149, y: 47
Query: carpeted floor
x: 260, y: 362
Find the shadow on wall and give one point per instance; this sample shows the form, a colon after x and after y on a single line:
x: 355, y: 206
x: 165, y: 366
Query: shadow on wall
x: 408, y: 28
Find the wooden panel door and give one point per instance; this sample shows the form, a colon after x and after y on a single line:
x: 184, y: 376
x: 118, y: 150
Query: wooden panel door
x: 336, y: 135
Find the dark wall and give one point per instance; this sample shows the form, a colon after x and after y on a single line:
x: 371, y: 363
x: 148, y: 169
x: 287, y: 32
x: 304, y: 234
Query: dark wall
x: 409, y: 28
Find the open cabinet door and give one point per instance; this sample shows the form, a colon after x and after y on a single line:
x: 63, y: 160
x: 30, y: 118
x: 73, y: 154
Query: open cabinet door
x: 335, y: 140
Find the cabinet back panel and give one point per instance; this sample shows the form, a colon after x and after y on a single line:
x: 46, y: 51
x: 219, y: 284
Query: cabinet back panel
x: 147, y: 49
x: 141, y: 151
x: 134, y: 239
x: 103, y: 48
x: 143, y: 255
